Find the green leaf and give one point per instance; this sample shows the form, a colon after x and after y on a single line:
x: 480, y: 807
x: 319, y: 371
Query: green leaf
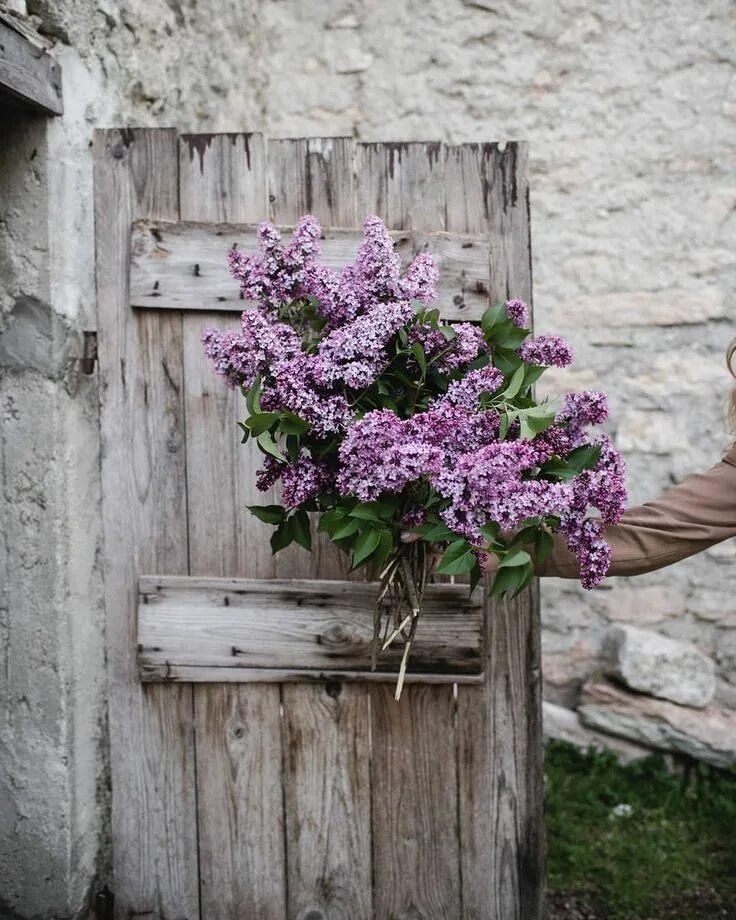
x: 246, y: 431
x: 269, y: 514
x: 330, y: 520
x: 476, y: 573
x: 506, y: 360
x: 516, y: 558
x: 436, y: 533
x: 514, y: 384
x: 346, y: 529
x: 292, y: 424
x: 457, y: 559
x: 510, y: 338
x: 269, y: 446
x: 543, y: 545
x: 252, y: 397
x: 504, y: 422
x: 292, y: 446
x: 495, y: 314
x: 300, y: 529
x: 507, y: 581
x: 366, y: 544
x: 403, y: 337
x: 533, y: 373
x: 283, y: 536
x: 448, y: 332
x: 261, y: 421
x: 490, y: 531
x: 418, y: 352
x: 373, y: 511
x: 385, y: 547
x: 585, y: 457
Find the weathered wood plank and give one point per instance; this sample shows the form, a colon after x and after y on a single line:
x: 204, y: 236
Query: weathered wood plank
x: 414, y: 769
x: 499, y: 723
x: 252, y: 624
x: 327, y: 793
x: 317, y: 176
x: 183, y: 266
x: 185, y: 673
x: 27, y: 73
x: 143, y: 476
x: 238, y: 729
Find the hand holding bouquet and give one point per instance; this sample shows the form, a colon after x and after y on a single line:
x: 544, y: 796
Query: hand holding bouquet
x: 380, y: 417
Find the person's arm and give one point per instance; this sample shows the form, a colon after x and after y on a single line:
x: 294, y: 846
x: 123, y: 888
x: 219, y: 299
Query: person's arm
x: 687, y: 519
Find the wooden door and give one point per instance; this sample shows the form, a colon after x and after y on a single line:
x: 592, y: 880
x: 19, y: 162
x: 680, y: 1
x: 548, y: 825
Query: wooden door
x: 259, y: 771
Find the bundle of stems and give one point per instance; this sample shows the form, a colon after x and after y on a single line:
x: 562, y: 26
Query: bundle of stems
x: 399, y: 601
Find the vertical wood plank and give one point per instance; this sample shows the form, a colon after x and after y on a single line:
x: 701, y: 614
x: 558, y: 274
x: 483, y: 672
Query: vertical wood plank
x: 499, y: 724
x: 326, y: 727
x: 414, y: 767
x: 238, y: 728
x: 144, y: 520
x: 327, y: 795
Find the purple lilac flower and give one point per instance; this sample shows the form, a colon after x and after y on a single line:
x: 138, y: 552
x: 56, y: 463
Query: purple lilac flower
x: 454, y: 429
x: 466, y: 392
x: 488, y: 484
x: 377, y: 457
x: 269, y: 473
x: 298, y: 387
x: 464, y: 348
x: 275, y: 275
x: 518, y: 312
x: 546, y: 351
x: 232, y: 354
x: 604, y: 486
x: 594, y: 554
x: 354, y: 354
x: 303, y: 480
x: 420, y: 280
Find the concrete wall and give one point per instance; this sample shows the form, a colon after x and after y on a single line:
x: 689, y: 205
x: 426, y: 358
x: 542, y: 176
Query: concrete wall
x: 629, y: 108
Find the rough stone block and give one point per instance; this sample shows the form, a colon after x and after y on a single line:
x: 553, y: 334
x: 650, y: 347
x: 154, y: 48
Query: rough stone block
x: 667, y: 668
x: 562, y: 724
x: 703, y: 734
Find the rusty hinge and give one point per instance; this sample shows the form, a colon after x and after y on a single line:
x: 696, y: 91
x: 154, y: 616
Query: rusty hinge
x: 89, y: 353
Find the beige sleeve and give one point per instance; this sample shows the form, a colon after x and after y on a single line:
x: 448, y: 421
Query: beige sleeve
x: 687, y: 519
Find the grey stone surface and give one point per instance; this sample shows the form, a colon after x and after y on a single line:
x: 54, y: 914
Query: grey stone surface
x: 562, y: 724
x: 629, y: 110
x: 667, y: 668
x: 708, y: 735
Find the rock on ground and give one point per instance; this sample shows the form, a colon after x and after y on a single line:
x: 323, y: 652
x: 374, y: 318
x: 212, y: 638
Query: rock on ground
x: 667, y: 668
x: 703, y: 734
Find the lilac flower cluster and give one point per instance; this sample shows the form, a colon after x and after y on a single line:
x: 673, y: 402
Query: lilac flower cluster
x: 355, y: 353
x: 546, y: 351
x: 518, y: 312
x: 319, y: 345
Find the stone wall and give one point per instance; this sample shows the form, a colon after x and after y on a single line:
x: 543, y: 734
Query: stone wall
x: 629, y: 107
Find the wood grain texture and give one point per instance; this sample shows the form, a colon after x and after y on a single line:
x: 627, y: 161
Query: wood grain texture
x: 27, y: 73
x: 414, y: 768
x: 499, y: 723
x: 144, y: 520
x: 183, y: 266
x: 328, y: 856
x: 238, y: 729
x: 317, y: 625
x: 327, y: 789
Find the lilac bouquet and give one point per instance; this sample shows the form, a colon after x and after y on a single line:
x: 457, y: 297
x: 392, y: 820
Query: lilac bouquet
x: 375, y: 414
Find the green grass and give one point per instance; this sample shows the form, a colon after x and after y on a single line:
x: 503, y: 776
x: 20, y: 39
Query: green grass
x: 679, y: 839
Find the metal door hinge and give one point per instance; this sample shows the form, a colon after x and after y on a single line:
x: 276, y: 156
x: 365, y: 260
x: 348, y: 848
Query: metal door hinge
x: 89, y: 353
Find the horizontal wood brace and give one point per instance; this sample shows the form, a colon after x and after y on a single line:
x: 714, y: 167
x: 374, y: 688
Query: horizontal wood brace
x: 183, y: 266
x: 252, y: 630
